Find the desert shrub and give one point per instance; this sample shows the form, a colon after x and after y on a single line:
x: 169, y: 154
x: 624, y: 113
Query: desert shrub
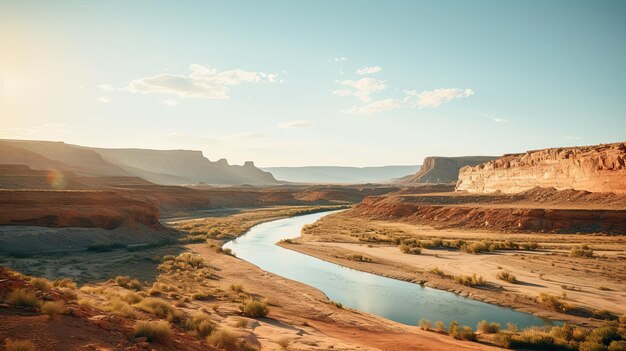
x: 591, y: 345
x: 121, y: 308
x: 192, y: 260
x: 68, y: 293
x: 122, y: 280
x: 440, y: 326
x: 452, y: 327
x: 604, y: 334
x: 92, y: 290
x: 160, y: 308
x: 222, y: 339
x: 533, y: 338
x: 487, y: 328
x: 41, y: 283
x: 336, y: 304
x: 622, y: 319
x: 200, y: 325
x: 65, y: 283
x: 580, y: 334
x: 254, y: 308
x: 52, y: 308
x: 201, y: 296
x: 24, y: 298
x: 238, y: 288
x: 135, y: 284
x: 463, y: 333
x: 477, y: 247
x: 512, y: 327
x: 506, y: 276
x: 19, y: 345
x: 530, y: 246
x: 437, y: 271
x: 470, y: 280
x: 582, y: 251
x: 564, y: 332
x: 503, y: 339
x: 617, y: 345
x: 553, y: 302
x: 283, y: 342
x: 360, y: 258
x: 424, y: 324
x: 131, y: 297
x: 412, y: 250
x: 153, y: 331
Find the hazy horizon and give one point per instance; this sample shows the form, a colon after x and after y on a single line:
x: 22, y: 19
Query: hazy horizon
x: 291, y: 84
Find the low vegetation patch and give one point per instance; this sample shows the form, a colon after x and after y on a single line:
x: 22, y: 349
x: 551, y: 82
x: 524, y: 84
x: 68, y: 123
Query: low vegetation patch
x: 160, y: 308
x: 223, y: 339
x: 24, y: 298
x: 200, y: 325
x: 485, y: 327
x: 424, y: 324
x: 153, y: 331
x: 553, y: 302
x: 411, y: 250
x: 53, y: 308
x: 470, y: 280
x: 360, y: 258
x: 506, y: 276
x: 581, y: 251
x: 254, y: 308
x: 19, y: 345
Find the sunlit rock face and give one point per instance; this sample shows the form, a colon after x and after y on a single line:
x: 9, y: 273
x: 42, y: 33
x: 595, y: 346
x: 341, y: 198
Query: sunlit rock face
x: 598, y: 168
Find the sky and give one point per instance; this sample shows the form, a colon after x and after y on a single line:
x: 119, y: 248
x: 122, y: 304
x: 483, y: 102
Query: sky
x: 301, y: 83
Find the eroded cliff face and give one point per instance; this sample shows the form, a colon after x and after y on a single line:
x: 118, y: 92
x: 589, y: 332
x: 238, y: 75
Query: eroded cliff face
x: 437, y: 169
x: 598, y: 168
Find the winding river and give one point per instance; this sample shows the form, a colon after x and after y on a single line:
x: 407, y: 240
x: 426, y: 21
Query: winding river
x: 389, y: 298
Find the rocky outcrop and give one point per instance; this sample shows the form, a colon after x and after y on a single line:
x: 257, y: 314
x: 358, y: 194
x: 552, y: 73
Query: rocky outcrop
x: 85, y: 209
x: 537, y: 210
x: 599, y: 168
x: 437, y: 169
x: 158, y: 166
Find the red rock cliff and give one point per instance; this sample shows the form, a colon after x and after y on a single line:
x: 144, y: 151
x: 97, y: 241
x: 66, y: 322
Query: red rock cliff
x: 599, y: 168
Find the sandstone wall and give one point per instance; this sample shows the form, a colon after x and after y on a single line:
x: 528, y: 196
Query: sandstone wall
x: 437, y: 169
x: 599, y: 168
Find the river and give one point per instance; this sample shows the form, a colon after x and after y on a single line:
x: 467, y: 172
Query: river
x: 393, y: 299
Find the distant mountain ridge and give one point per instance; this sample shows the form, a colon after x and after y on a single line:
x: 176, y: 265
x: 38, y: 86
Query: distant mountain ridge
x: 339, y: 174
x: 438, y: 169
x: 172, y: 167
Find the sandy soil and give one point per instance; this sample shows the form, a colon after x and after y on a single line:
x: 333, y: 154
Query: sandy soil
x: 593, y: 283
x: 305, y: 315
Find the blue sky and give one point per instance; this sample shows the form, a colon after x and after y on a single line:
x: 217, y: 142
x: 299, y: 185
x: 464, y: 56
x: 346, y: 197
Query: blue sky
x: 288, y: 83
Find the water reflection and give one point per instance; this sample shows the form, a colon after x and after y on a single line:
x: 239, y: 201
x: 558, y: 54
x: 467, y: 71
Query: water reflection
x: 393, y: 299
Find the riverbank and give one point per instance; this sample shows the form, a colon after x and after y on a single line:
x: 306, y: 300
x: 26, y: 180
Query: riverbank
x: 338, y: 238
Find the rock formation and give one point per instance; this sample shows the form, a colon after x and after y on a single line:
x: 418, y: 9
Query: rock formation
x: 599, y: 168
x: 437, y: 169
x: 158, y: 166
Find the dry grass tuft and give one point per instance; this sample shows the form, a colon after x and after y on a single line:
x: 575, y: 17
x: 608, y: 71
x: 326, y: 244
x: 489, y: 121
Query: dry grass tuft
x: 223, y: 339
x: 53, y: 308
x: 254, y: 308
x: 154, y: 331
x: 19, y: 345
x: 24, y: 298
x: 41, y: 284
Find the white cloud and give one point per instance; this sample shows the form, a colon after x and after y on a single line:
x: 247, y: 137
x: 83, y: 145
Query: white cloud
x: 106, y: 87
x: 369, y: 70
x: 170, y: 102
x: 338, y: 59
x: 374, y: 107
x: 104, y: 99
x: 202, y: 82
x: 342, y: 92
x: 364, y: 87
x: 501, y: 120
x: 300, y: 123
x: 434, y: 98
x: 36, y: 131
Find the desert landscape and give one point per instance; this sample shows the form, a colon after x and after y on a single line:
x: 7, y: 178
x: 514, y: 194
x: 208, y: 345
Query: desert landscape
x: 312, y: 175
